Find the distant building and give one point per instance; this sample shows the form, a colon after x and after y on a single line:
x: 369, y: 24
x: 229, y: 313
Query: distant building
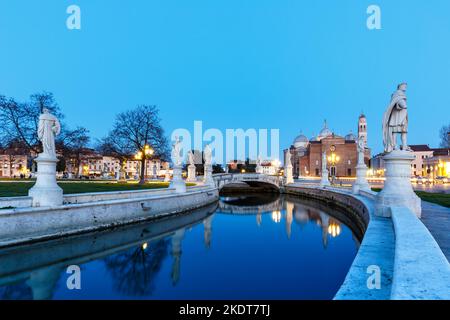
x: 439, y: 164
x: 13, y: 166
x: 341, y: 152
x: 421, y: 153
x: 269, y: 168
x: 93, y: 164
x: 428, y: 162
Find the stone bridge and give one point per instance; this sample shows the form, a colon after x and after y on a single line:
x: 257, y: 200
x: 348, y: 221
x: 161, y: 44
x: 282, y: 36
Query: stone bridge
x: 251, y: 179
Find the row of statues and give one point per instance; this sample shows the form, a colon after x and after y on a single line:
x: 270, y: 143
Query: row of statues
x: 46, y: 192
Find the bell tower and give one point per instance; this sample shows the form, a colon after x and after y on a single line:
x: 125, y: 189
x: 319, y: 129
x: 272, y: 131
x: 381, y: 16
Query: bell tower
x: 362, y: 128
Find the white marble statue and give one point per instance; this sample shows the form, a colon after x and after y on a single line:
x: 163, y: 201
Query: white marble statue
x: 191, y: 167
x: 361, y: 182
x: 176, y: 152
x: 324, y: 179
x: 207, y: 155
x: 49, y: 127
x: 324, y: 162
x: 46, y: 192
x: 395, y: 120
x: 397, y: 190
x: 288, y: 158
x: 288, y: 168
x: 361, y: 144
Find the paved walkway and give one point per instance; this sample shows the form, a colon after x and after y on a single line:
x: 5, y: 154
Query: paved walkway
x: 437, y: 219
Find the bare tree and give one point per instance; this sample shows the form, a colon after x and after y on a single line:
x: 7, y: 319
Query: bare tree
x: 443, y: 135
x: 20, y: 122
x: 137, y: 132
x: 72, y: 144
x: 20, y: 119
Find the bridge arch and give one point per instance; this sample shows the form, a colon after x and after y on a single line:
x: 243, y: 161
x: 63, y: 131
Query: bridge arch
x: 251, y: 179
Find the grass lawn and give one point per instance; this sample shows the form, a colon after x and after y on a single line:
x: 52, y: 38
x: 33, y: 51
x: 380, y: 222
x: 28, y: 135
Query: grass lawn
x: 438, y: 198
x: 14, y: 189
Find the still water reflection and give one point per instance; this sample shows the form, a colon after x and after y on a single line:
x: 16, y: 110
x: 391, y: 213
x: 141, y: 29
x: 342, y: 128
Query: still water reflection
x: 254, y: 247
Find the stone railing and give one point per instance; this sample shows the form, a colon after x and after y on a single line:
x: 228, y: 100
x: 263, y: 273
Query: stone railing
x: 15, y: 202
x: 114, y: 195
x: 412, y: 264
x: 421, y: 270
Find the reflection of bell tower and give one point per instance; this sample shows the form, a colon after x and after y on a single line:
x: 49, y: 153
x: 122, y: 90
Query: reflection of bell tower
x: 362, y: 128
x: 207, y: 225
x: 289, y: 218
x: 176, y: 255
x: 43, y: 281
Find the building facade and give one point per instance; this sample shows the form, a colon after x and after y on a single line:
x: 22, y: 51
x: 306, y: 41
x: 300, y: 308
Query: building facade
x: 341, y: 152
x: 93, y: 164
x: 13, y: 166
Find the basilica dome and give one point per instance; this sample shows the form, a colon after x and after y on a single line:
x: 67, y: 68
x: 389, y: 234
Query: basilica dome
x: 350, y: 137
x: 301, y: 142
x: 325, y: 132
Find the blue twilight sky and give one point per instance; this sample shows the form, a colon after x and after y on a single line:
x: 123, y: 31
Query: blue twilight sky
x: 284, y: 64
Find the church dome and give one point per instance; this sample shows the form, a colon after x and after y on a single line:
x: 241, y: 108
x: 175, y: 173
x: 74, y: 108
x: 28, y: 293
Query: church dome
x: 301, y: 141
x: 350, y: 136
x: 325, y: 132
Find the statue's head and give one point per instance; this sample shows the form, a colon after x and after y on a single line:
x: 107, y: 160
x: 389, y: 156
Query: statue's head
x: 45, y: 110
x: 402, y: 86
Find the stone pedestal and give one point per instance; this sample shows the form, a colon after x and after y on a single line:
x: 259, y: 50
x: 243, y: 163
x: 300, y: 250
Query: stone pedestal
x: 208, y: 178
x: 397, y: 189
x: 324, y: 180
x: 191, y: 173
x: 177, y: 180
x: 289, y: 178
x: 361, y: 175
x: 46, y: 192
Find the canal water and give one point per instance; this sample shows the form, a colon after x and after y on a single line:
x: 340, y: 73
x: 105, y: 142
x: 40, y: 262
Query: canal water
x: 246, y: 247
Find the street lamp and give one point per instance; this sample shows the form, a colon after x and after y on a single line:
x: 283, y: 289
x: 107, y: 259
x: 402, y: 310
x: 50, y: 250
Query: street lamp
x: 333, y: 159
x: 142, y: 155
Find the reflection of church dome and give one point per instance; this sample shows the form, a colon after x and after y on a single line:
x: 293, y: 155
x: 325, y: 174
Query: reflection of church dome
x: 301, y: 142
x: 350, y: 136
x: 325, y: 132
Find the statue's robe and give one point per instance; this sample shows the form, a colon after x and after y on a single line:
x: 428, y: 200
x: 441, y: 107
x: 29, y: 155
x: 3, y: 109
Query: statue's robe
x: 49, y: 126
x: 395, y: 119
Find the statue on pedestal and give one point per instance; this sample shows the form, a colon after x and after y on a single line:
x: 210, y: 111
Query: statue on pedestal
x: 191, y: 167
x: 46, y: 192
x: 177, y: 180
x: 397, y: 190
x: 361, y: 182
x: 288, y: 168
x: 395, y: 120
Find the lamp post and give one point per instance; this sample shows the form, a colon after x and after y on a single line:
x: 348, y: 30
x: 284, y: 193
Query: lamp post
x: 143, y: 155
x: 333, y: 159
